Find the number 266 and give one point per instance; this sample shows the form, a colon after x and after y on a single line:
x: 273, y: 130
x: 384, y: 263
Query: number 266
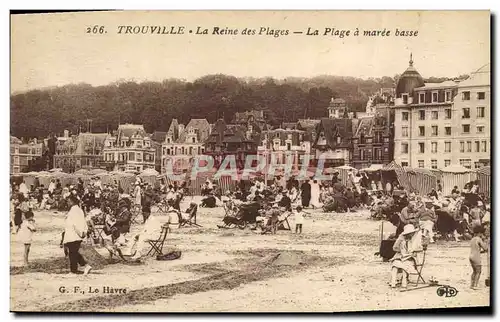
x: 96, y: 30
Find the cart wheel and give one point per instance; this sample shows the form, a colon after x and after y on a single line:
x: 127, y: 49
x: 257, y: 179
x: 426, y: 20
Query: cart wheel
x: 242, y: 225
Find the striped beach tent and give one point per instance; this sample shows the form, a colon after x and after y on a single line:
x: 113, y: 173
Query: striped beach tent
x: 484, y: 177
x: 456, y: 175
x: 401, y: 174
x: 422, y: 180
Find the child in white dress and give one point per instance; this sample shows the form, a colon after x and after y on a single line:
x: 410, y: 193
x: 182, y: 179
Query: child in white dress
x: 25, y: 234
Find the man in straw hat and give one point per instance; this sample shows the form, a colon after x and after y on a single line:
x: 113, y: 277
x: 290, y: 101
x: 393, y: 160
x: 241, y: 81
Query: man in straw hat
x: 427, y: 218
x: 406, y: 246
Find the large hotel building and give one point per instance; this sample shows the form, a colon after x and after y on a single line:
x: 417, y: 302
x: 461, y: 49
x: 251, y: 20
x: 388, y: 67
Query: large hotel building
x: 442, y: 124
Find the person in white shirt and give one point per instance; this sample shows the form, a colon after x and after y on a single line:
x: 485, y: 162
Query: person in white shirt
x: 52, y: 186
x: 75, y: 230
x: 23, y: 188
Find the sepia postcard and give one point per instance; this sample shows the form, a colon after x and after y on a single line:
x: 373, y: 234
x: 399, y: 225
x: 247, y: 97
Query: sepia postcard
x: 250, y: 161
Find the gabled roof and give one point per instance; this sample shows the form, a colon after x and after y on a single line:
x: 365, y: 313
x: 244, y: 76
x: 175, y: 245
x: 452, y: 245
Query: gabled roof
x: 217, y: 134
x: 333, y: 128
x: 86, y: 141
x: 365, y: 126
x: 173, y: 129
x: 201, y: 125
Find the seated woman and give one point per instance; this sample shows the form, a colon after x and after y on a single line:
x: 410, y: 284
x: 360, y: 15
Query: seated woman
x: 189, y: 214
x: 406, y: 247
x: 209, y: 201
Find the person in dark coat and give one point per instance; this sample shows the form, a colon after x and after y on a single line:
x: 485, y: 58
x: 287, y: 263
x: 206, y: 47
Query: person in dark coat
x: 285, y: 202
x: 146, y: 202
x: 80, y: 188
x: 305, y: 189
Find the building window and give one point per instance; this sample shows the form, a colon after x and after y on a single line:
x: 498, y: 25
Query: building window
x: 447, y: 163
x: 466, y: 113
x: 465, y: 163
x: 139, y: 157
x: 193, y: 140
x: 289, y: 146
x: 466, y: 128
x: 404, y: 116
x: 476, y: 144
x: 434, y: 164
x: 421, y: 147
x: 421, y: 130
x: 405, y: 98
x: 481, y: 95
x: 421, y: 164
x: 447, y: 113
x: 480, y: 111
x: 469, y: 146
x: 434, y: 97
x: 404, y: 164
x: 447, y: 146
x: 434, y: 147
x: 477, y: 165
x: 434, y: 130
x: 421, y: 115
x: 338, y: 139
x: 434, y: 115
x: 421, y: 98
x: 448, y: 96
x: 483, y: 148
x: 404, y: 148
x: 466, y: 96
x: 447, y: 130
x: 462, y: 146
x: 480, y: 129
x: 404, y: 131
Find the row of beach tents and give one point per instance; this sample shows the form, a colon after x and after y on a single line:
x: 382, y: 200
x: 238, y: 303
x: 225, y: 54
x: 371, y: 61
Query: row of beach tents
x: 411, y: 179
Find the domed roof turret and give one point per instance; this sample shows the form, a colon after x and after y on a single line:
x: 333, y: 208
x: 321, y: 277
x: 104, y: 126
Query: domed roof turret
x: 409, y: 80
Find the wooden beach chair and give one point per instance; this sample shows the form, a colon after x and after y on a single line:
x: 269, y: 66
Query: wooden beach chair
x: 157, y: 244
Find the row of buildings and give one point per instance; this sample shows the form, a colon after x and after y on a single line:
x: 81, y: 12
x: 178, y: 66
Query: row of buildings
x: 417, y: 124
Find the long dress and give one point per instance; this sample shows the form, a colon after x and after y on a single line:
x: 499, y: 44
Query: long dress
x: 137, y: 195
x: 315, y: 195
x: 306, y: 194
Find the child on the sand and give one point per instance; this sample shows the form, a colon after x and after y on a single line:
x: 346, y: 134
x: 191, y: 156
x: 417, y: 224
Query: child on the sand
x: 299, y: 220
x: 477, y: 246
x: 26, y: 234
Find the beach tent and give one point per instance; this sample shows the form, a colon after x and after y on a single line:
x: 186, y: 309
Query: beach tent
x: 344, y: 173
x: 484, y: 177
x: 400, y: 173
x: 456, y: 175
x: 422, y: 180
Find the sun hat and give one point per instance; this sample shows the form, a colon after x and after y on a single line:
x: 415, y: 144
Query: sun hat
x: 408, y: 229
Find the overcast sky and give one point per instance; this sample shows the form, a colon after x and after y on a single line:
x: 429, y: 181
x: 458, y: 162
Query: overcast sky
x: 54, y: 49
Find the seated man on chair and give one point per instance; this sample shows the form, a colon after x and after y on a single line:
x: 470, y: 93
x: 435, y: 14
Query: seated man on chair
x: 406, y: 247
x: 150, y: 231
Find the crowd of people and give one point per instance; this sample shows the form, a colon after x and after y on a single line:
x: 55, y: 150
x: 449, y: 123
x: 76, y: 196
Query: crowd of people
x: 262, y: 204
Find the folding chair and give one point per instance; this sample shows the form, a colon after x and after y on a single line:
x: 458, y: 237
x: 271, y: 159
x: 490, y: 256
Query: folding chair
x: 284, y: 223
x: 191, y: 221
x: 99, y: 231
x: 157, y: 244
x: 135, y: 212
x: 419, y: 262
